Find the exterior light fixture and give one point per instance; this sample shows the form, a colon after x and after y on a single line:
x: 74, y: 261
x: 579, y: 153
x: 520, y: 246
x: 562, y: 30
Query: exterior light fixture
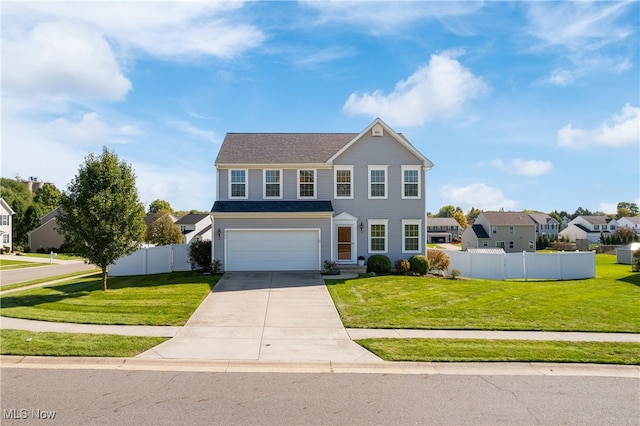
x: 219, y: 233
x: 361, y: 227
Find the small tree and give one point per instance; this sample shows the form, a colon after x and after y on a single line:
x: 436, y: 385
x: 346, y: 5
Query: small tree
x: 162, y: 231
x: 437, y: 260
x: 101, y: 215
x: 200, y: 255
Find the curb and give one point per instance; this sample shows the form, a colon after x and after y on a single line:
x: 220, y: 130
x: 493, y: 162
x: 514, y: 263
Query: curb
x: 235, y: 366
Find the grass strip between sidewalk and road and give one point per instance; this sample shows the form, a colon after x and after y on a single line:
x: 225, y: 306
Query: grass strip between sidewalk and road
x: 29, y: 343
x: 161, y: 299
x: 478, y: 350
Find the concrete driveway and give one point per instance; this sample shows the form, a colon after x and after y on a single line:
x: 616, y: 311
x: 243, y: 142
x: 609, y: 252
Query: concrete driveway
x: 265, y: 316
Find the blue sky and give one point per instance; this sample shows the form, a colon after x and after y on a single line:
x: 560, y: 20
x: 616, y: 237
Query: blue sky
x: 519, y: 105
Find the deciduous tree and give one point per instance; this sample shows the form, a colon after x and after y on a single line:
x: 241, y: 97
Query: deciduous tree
x: 162, y: 230
x: 102, y: 217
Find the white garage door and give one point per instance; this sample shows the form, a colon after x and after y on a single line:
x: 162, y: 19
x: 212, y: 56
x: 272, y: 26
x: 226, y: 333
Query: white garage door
x: 273, y: 250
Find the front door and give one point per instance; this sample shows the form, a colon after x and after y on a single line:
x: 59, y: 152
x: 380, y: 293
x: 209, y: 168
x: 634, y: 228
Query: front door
x: 344, y: 243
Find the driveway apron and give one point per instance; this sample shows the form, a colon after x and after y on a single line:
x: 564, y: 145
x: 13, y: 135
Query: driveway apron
x: 265, y: 316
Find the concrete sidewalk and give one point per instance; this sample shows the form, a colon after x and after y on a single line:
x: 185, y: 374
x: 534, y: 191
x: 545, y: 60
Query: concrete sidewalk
x: 265, y: 316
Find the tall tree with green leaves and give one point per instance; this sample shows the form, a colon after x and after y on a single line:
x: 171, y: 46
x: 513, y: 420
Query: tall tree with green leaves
x: 101, y: 216
x: 48, y: 197
x: 158, y: 205
x: 162, y: 231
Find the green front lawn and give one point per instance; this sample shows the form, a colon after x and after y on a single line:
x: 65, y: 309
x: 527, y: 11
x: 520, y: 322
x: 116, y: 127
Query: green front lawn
x: 163, y: 299
x: 6, y: 264
x: 18, y: 342
x: 608, y: 303
x: 476, y: 350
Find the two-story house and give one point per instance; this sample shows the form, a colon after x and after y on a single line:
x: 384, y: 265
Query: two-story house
x: 290, y: 201
x: 589, y: 228
x: 195, y: 227
x: 546, y: 226
x: 510, y: 231
x: 6, y: 224
x: 46, y: 236
x: 442, y: 229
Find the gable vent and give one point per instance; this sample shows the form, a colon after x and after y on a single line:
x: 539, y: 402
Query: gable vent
x: 377, y: 130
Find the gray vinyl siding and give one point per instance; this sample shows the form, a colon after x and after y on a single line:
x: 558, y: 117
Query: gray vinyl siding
x: 381, y: 151
x: 272, y: 223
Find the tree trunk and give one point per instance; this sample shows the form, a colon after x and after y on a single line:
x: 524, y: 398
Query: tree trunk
x: 104, y: 279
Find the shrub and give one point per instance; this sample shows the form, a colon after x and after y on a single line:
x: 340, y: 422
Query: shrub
x: 438, y: 260
x: 379, y: 263
x: 331, y: 268
x: 200, y: 255
x: 419, y: 264
x: 402, y: 266
x: 454, y: 273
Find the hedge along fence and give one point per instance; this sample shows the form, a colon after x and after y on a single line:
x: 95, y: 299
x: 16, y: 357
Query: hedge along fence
x: 525, y: 265
x: 153, y: 260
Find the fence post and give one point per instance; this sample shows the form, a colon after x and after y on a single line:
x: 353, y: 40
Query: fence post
x: 524, y: 265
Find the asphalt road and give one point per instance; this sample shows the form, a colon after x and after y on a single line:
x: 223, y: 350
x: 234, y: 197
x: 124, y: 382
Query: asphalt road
x: 115, y: 397
x: 42, y: 271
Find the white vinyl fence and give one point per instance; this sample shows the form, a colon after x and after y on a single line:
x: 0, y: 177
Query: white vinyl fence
x: 153, y: 260
x: 525, y: 265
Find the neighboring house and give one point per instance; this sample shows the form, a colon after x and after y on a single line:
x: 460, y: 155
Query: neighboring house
x: 565, y: 222
x: 443, y: 229
x: 632, y: 222
x: 545, y: 226
x: 6, y: 224
x: 510, y: 231
x: 46, y: 236
x: 589, y: 228
x: 195, y: 227
x: 290, y: 201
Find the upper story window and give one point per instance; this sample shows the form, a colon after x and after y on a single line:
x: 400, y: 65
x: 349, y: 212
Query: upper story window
x: 511, y: 229
x: 237, y: 184
x: 343, y: 177
x: 377, y: 181
x: 410, y: 181
x: 494, y: 229
x: 306, y: 184
x: 4, y: 219
x: 596, y: 227
x: 272, y: 184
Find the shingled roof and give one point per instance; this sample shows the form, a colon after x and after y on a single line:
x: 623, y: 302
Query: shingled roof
x: 281, y: 148
x: 508, y: 218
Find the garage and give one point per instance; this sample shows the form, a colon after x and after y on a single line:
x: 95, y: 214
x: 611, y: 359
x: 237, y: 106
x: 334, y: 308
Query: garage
x: 272, y: 249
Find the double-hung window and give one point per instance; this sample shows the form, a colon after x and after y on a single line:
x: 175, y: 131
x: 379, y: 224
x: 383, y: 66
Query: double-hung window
x: 307, y: 183
x: 272, y: 184
x: 343, y: 177
x: 377, y: 181
x: 410, y: 181
x: 238, y: 183
x: 5, y: 238
x: 378, y: 235
x: 4, y: 219
x: 411, y: 235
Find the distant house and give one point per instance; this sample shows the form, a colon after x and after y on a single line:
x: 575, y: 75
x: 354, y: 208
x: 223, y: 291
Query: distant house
x: 632, y: 222
x: 545, y: 226
x: 195, y: 227
x: 510, y: 231
x: 6, y: 224
x: 443, y: 229
x: 589, y: 228
x: 46, y: 236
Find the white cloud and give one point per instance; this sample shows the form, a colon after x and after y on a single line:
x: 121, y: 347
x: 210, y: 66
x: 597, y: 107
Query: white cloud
x: 618, y: 131
x: 521, y: 167
x: 195, y: 131
x: 476, y: 195
x: 59, y: 60
x: 90, y: 130
x: 437, y: 90
x: 608, y: 208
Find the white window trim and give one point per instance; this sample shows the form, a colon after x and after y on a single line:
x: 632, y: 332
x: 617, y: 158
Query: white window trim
x: 386, y: 181
x: 412, y: 222
x: 246, y: 184
x: 384, y: 222
x: 335, y: 182
x: 264, y: 184
x: 315, y: 184
x: 402, y: 169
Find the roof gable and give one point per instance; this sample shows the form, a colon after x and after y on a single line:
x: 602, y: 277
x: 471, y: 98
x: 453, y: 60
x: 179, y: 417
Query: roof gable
x: 377, y: 123
x: 6, y: 207
x: 191, y: 219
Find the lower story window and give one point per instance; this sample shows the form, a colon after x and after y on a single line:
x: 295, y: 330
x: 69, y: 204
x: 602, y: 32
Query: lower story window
x: 378, y: 235
x: 5, y: 238
x: 410, y: 236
